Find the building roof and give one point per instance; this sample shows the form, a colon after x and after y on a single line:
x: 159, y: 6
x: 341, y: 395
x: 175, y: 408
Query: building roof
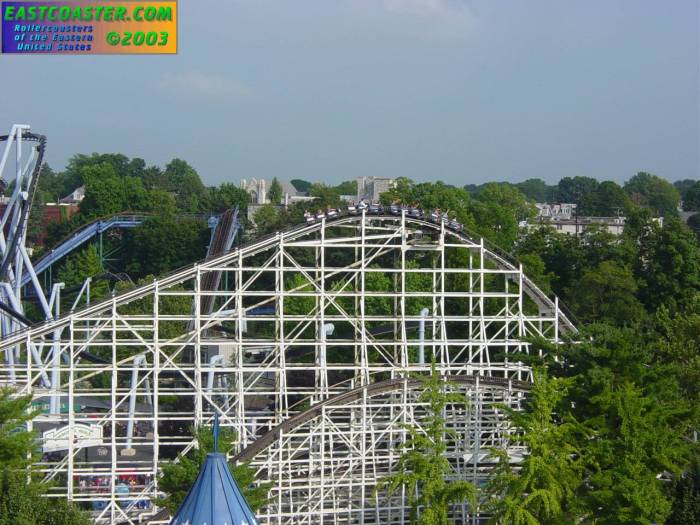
x: 74, y: 196
x: 215, y: 498
x: 288, y: 187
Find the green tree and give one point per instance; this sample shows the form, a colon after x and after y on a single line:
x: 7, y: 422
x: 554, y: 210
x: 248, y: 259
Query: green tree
x: 542, y: 490
x: 106, y: 193
x: 16, y: 443
x: 227, y: 196
x: 79, y: 266
x: 266, y: 219
x: 21, y: 496
x: 163, y: 243
x: 348, y: 187
x: 564, y: 257
x: 653, y: 192
x: 498, y: 209
x: 677, y: 345
x: 275, y: 193
x: 609, y: 200
x: 668, y: 265
x: 683, y: 185
x: 623, y: 486
x: 324, y: 195
x: 301, y: 185
x: 185, y: 182
x: 422, y: 468
x: 637, y: 421
x: 691, y: 197
x: 694, y: 224
x: 578, y: 190
x: 607, y: 293
x: 535, y: 269
x: 177, y: 477
x: 686, y: 500
x: 535, y: 189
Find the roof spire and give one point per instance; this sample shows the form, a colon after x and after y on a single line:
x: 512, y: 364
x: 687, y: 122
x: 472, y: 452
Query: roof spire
x: 214, y: 498
x: 215, y: 432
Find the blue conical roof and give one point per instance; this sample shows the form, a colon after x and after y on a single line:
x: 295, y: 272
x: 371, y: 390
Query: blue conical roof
x: 215, y: 498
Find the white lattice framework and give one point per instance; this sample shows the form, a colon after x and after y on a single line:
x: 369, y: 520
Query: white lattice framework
x: 304, y: 349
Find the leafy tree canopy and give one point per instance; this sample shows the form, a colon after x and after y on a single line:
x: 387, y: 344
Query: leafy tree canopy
x: 653, y: 192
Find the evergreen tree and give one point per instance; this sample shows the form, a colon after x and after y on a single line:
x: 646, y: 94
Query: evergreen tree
x: 542, y: 488
x: 22, y: 498
x: 275, y: 193
x: 79, y: 266
x: 423, y: 468
x: 637, y: 420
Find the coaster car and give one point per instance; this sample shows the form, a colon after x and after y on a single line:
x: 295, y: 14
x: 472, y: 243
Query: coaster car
x: 415, y: 212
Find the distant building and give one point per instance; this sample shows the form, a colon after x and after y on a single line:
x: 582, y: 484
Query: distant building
x: 258, y: 190
x: 75, y: 197
x: 369, y: 188
x: 578, y: 225
x: 562, y: 211
x: 564, y: 219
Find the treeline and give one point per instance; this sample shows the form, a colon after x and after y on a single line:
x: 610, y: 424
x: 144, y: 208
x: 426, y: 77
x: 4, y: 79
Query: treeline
x: 609, y: 199
x: 175, y: 235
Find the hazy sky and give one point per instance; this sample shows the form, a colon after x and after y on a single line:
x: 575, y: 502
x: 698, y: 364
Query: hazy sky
x: 458, y: 90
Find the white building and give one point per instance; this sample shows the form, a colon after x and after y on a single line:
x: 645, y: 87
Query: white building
x: 563, y: 218
x: 578, y: 225
x: 258, y: 190
x: 555, y: 211
x: 369, y: 188
x: 76, y: 196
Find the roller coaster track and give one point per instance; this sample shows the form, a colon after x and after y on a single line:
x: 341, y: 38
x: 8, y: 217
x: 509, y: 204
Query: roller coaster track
x: 223, y: 236
x: 27, y: 202
x: 293, y: 232
x: 371, y: 390
x: 356, y: 394
x: 261, y: 243
x: 498, y: 309
x: 81, y: 236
